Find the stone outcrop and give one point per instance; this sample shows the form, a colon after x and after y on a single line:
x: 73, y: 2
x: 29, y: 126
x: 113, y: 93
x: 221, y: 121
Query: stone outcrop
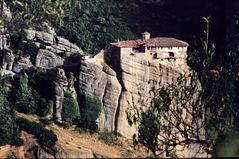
x: 60, y: 81
x: 53, y: 43
x: 53, y: 49
x: 47, y: 59
x: 100, y: 80
x: 21, y: 63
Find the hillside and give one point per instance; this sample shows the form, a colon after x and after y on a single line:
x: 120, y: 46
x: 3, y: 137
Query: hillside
x: 72, y: 144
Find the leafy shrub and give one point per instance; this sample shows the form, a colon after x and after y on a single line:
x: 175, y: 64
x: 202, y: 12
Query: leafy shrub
x: 91, y: 107
x: 25, y: 101
x: 90, y: 126
x: 109, y: 138
x: 45, y: 137
x: 70, y: 110
x: 44, y: 106
x: 9, y: 131
x: 12, y: 155
x: 41, y: 81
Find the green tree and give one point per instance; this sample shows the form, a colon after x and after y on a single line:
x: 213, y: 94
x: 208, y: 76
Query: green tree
x: 174, y: 118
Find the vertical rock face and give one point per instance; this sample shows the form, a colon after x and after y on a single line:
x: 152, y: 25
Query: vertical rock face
x: 100, y: 80
x: 138, y: 76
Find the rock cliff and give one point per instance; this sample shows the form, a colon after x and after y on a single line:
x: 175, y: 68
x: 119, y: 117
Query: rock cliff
x: 120, y: 91
x: 99, y: 79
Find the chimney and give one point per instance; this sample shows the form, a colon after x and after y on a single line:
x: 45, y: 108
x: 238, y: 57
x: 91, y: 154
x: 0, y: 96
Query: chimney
x: 145, y: 36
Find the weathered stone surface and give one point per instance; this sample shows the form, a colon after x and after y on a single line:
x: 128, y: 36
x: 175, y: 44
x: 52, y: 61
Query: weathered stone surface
x: 52, y: 47
x: 46, y: 38
x: 94, y: 80
x: 21, y: 63
x: 6, y: 12
x: 138, y: 78
x: 40, y: 153
x: 73, y: 153
x: 4, y: 36
x: 54, y: 43
x: 60, y: 81
x: 46, y: 59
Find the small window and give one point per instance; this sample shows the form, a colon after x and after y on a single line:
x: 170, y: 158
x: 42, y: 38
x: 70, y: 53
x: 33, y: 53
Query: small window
x: 170, y: 48
x: 151, y: 53
x: 171, y: 54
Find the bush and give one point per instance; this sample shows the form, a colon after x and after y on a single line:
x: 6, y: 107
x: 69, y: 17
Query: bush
x: 9, y: 131
x: 88, y: 125
x: 45, y: 137
x: 70, y: 110
x: 110, y: 138
x: 25, y: 101
x: 40, y: 80
x: 91, y: 107
x: 43, y: 107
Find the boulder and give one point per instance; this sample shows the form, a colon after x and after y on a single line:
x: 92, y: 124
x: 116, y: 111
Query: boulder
x: 73, y: 153
x: 47, y: 59
x: 21, y: 63
x: 45, y: 38
x: 40, y: 153
x: 52, y: 42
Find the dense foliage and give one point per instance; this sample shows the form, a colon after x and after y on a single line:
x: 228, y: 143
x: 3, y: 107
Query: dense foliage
x: 46, y: 138
x: 110, y: 138
x: 91, y: 107
x: 92, y: 25
x: 25, y: 101
x: 9, y: 131
x: 70, y: 109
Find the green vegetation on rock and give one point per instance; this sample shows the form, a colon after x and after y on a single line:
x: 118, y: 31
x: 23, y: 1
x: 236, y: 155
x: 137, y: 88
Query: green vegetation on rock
x: 9, y: 131
x: 70, y: 109
x: 47, y: 138
x: 25, y: 101
x: 91, y: 107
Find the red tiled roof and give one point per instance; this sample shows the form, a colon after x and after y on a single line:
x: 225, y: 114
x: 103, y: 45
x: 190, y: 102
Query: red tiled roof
x: 126, y: 44
x: 160, y: 42
x: 165, y: 42
x: 145, y: 32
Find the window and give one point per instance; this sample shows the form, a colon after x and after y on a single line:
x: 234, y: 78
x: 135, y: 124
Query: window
x: 170, y: 48
x: 171, y: 54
